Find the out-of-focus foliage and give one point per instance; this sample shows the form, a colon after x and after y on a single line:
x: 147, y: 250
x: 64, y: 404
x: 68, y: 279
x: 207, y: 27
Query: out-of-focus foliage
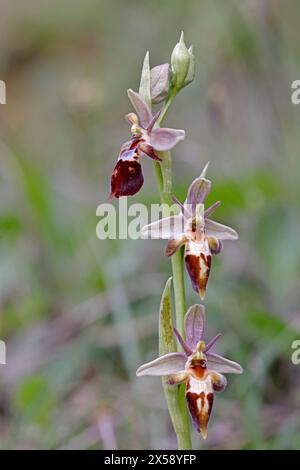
x: 79, y: 315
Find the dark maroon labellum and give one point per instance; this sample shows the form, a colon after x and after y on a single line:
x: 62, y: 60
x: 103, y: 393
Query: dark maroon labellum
x: 127, y: 178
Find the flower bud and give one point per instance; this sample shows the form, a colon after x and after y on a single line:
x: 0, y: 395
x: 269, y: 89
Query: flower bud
x: 159, y: 83
x: 191, y: 71
x: 183, y: 64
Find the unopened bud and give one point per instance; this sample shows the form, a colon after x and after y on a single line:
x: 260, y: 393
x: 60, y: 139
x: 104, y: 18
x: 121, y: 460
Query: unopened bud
x: 191, y: 71
x: 183, y: 64
x: 159, y: 83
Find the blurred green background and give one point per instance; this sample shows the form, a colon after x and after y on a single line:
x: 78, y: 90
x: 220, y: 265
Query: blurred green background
x: 79, y: 315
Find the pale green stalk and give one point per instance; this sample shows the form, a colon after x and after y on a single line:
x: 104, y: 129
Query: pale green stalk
x: 163, y: 172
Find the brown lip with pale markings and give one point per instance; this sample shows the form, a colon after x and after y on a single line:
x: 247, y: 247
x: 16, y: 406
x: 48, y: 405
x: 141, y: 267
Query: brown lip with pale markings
x: 200, y: 407
x: 198, y: 277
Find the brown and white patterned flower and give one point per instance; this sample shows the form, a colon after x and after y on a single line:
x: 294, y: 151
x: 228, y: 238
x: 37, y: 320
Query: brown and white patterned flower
x: 127, y: 178
x: 200, y: 369
x: 192, y: 228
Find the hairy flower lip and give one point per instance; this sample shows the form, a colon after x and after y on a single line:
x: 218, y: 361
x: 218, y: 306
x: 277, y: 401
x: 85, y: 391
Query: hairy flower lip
x: 147, y: 139
x: 192, y: 228
x: 197, y: 367
x: 194, y: 323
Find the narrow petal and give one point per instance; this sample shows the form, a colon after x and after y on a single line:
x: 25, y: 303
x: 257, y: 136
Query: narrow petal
x: 194, y: 325
x: 220, y: 231
x: 165, y: 139
x: 148, y: 150
x: 142, y: 109
x: 153, y: 120
x: 168, y: 364
x: 222, y: 365
x: 127, y: 178
x: 188, y: 351
x: 212, y: 342
x: 169, y: 227
x: 212, y: 208
x: 197, y: 193
x: 174, y: 244
x: 183, y: 209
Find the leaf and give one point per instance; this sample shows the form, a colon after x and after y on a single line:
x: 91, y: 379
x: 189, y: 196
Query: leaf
x: 167, y: 344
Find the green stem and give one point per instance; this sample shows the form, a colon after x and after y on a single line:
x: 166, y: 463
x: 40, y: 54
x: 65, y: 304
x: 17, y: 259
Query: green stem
x: 179, y: 290
x: 163, y: 172
x: 183, y: 438
x: 168, y: 103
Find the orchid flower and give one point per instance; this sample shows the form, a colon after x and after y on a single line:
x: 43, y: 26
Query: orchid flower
x: 201, y: 236
x: 127, y: 178
x: 197, y: 367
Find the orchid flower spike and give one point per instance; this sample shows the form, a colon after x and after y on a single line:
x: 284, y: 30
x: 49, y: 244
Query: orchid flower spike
x: 127, y: 178
x: 200, y: 369
x: 192, y: 228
